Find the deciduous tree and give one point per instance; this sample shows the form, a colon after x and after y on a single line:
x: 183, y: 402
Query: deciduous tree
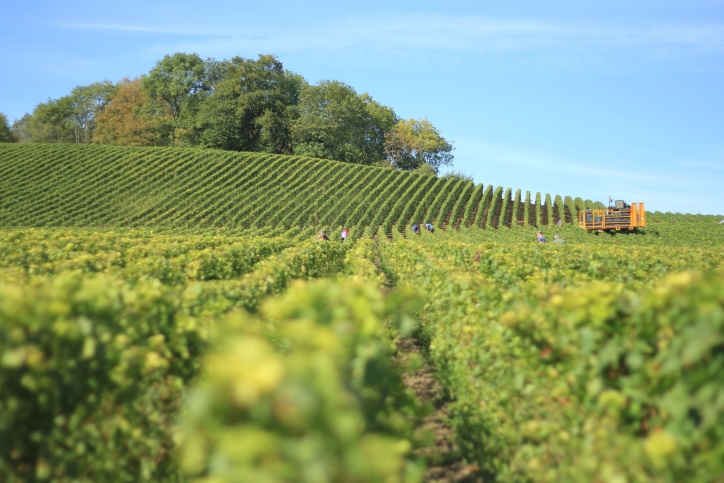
x: 88, y: 102
x: 414, y: 142
x: 336, y: 123
x: 126, y: 120
x: 6, y: 134
x: 52, y: 122
x: 251, y: 107
x: 21, y: 128
x: 175, y: 84
x: 382, y: 119
x: 459, y: 175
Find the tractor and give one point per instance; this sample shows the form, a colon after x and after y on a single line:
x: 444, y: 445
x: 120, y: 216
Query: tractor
x: 618, y: 217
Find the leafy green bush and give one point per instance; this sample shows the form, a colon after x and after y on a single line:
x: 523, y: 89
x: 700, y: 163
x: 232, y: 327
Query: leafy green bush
x: 312, y: 397
x: 91, y: 372
x: 573, y: 368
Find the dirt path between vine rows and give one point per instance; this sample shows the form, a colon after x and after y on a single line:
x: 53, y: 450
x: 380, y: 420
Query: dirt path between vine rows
x: 444, y: 463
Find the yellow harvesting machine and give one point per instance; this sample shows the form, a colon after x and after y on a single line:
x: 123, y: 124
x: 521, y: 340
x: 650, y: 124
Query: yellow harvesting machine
x: 620, y: 216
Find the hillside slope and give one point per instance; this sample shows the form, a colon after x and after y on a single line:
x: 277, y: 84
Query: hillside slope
x: 89, y: 185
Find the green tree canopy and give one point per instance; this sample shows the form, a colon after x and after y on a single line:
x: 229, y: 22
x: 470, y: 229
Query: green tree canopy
x: 425, y: 170
x: 175, y: 85
x: 251, y: 107
x: 414, y: 142
x: 336, y: 123
x: 88, y: 102
x: 382, y: 120
x: 241, y: 105
x: 459, y: 175
x: 6, y: 134
x: 21, y: 128
x: 70, y: 119
x: 52, y: 122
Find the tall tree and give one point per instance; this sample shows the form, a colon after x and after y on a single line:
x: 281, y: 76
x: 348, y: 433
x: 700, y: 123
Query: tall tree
x: 6, y: 133
x: 382, y: 120
x: 127, y: 121
x: 251, y: 106
x: 21, y: 128
x: 336, y: 123
x: 175, y: 85
x: 52, y: 122
x: 88, y: 102
x: 412, y: 143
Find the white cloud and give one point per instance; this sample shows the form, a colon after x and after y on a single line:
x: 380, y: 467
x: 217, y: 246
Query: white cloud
x: 445, y: 33
x: 150, y: 29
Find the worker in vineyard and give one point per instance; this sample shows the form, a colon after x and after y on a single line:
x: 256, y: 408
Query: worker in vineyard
x: 429, y: 227
x: 540, y: 238
x: 558, y: 240
x: 323, y: 235
x: 416, y: 229
x: 345, y: 232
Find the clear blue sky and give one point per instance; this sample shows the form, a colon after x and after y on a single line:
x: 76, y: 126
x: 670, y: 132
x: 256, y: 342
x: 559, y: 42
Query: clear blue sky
x: 584, y: 98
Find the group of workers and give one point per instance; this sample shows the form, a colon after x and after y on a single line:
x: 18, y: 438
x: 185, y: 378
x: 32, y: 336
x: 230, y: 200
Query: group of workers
x: 428, y: 227
x: 345, y: 232
x: 343, y: 236
x: 540, y: 238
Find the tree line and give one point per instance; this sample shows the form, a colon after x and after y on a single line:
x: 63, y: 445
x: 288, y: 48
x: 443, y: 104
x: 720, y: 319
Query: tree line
x: 239, y: 105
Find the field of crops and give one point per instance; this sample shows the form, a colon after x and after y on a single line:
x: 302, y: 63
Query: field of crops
x: 169, y: 315
x: 182, y: 189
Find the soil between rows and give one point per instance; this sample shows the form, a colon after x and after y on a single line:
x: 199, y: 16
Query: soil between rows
x: 444, y: 463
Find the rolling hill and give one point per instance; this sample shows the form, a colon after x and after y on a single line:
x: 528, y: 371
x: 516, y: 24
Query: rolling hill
x: 89, y: 185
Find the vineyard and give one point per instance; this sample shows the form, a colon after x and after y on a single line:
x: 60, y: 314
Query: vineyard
x: 170, y: 315
x: 92, y: 186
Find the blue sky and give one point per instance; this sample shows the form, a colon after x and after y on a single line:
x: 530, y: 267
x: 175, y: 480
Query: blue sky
x: 618, y: 97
